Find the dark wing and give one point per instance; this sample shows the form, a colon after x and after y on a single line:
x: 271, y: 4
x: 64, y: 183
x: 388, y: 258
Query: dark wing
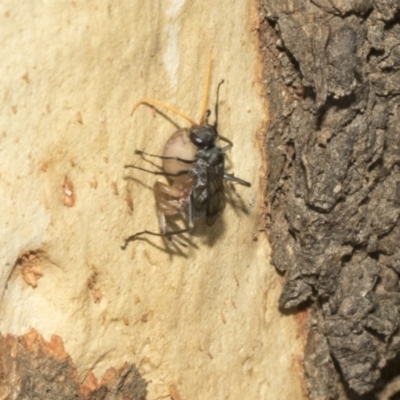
x: 216, y: 200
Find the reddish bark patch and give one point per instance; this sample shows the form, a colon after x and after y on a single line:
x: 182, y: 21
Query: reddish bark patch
x: 32, y: 367
x: 29, y: 265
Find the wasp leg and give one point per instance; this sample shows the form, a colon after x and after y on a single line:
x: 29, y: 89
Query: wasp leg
x: 175, y: 227
x: 231, y: 178
x: 180, y: 173
x: 146, y: 232
x: 133, y: 237
x: 230, y: 144
x: 168, y: 207
x: 165, y: 157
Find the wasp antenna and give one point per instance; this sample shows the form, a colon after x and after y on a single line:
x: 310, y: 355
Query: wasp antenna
x: 208, y: 113
x: 152, y: 102
x: 216, y: 105
x: 206, y: 90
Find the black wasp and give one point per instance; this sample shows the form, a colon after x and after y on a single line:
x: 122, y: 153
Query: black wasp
x: 194, y: 165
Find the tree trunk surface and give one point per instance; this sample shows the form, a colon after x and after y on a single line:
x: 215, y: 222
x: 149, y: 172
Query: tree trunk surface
x: 334, y: 185
x: 293, y: 293
x: 80, y: 317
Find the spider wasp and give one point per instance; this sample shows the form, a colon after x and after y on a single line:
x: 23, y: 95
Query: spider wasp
x: 194, y: 165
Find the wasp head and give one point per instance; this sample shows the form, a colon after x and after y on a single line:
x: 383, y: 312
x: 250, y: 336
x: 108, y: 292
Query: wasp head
x: 203, y: 136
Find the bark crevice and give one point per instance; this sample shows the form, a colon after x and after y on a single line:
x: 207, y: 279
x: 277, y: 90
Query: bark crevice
x: 333, y: 181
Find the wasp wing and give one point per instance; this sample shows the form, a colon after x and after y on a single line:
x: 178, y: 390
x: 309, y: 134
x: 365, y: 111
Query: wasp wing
x: 216, y: 199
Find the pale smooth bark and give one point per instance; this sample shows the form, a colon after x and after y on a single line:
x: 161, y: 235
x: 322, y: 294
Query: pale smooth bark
x: 207, y: 323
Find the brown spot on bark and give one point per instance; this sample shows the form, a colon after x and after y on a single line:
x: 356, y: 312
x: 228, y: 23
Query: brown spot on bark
x: 95, y: 290
x: 173, y: 392
x: 25, y: 77
x: 29, y: 266
x: 78, y: 117
x: 68, y: 192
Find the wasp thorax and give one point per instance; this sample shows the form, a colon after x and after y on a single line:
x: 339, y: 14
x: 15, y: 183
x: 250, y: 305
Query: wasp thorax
x: 203, y: 136
x: 179, y: 145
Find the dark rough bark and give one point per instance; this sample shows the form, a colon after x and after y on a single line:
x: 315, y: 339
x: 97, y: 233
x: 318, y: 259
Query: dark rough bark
x: 333, y: 150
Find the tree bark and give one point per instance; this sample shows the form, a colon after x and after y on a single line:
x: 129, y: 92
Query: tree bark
x: 332, y: 70
x: 79, y: 317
